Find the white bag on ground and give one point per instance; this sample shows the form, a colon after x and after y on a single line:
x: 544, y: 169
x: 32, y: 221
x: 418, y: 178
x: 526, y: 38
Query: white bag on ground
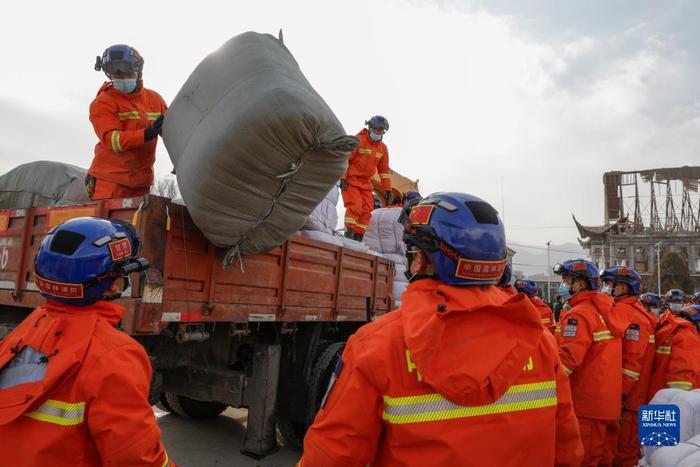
x: 255, y: 148
x: 42, y: 183
x: 384, y: 233
x: 324, y: 217
x: 689, y: 404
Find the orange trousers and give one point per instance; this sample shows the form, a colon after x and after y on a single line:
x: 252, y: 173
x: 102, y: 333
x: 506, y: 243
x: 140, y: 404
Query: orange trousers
x: 599, y: 438
x: 628, y: 448
x: 104, y: 189
x: 359, y: 202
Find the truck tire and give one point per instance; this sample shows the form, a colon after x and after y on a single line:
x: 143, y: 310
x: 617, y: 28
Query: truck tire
x: 292, y: 433
x: 163, y: 403
x: 191, y: 408
x: 320, y: 377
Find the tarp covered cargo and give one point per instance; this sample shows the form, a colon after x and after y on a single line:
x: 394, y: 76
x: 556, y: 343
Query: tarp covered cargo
x: 399, y: 184
x: 42, y: 183
x: 255, y: 148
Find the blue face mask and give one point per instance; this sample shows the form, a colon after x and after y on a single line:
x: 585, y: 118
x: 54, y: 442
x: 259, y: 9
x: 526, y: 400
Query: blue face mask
x: 676, y: 306
x: 125, y: 85
x: 564, y: 291
x: 374, y: 136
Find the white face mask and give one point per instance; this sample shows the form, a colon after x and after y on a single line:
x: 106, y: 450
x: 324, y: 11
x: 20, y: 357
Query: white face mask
x: 125, y: 85
x: 676, y: 306
x: 608, y: 289
x: 656, y: 311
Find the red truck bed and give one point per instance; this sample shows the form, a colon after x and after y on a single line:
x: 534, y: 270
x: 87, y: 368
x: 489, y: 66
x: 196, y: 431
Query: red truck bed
x: 302, y: 280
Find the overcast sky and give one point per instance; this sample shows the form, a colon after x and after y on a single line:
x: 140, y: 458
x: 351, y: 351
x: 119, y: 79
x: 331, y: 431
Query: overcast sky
x: 532, y: 99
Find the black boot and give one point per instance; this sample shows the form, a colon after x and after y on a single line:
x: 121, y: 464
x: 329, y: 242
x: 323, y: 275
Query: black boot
x: 358, y: 237
x: 349, y: 234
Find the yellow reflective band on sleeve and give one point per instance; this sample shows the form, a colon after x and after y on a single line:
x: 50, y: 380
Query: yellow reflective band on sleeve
x: 435, y: 407
x: 602, y: 336
x: 384, y: 175
x: 546, y: 320
x: 566, y: 370
x: 152, y: 115
x: 350, y: 221
x: 364, y: 226
x: 557, y: 329
x: 166, y: 462
x: 632, y: 374
x: 685, y: 385
x: 116, y: 145
x: 364, y: 151
x: 59, y: 413
x: 134, y: 115
x: 664, y: 350
x: 378, y: 155
x: 652, y: 339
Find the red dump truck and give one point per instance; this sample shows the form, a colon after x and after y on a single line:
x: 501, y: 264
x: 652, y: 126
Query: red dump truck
x: 264, y: 334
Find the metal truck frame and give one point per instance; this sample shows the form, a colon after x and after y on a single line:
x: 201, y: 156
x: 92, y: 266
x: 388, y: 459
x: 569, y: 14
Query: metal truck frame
x: 264, y: 334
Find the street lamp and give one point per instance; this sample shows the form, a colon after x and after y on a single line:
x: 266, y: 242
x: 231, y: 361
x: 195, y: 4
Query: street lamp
x: 549, y: 291
x: 658, y: 265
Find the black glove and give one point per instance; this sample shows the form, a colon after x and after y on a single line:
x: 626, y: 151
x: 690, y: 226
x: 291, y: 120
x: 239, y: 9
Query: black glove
x: 153, y: 130
x: 389, y: 197
x: 90, y: 185
x: 343, y: 184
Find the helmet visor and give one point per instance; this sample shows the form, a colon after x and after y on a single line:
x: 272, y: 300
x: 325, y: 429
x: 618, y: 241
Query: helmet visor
x: 119, y: 66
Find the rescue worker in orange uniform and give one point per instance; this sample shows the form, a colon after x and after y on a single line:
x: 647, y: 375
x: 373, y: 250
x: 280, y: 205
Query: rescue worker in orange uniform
x: 504, y: 282
x: 675, y: 300
x: 455, y: 376
x: 127, y: 118
x: 590, y: 349
x: 530, y: 289
x: 625, y: 286
x: 369, y: 157
x: 73, y: 388
x: 677, y: 348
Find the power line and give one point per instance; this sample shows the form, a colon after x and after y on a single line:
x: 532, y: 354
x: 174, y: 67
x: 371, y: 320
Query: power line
x: 557, y: 250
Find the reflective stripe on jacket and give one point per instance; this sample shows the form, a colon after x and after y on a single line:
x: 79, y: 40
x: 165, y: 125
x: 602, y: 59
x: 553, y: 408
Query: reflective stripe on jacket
x: 637, y: 350
x: 676, y: 363
x: 121, y: 155
x: 591, y: 353
x: 91, y: 407
x: 368, y: 158
x: 454, y: 377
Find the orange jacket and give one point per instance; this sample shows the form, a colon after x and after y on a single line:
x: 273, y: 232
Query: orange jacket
x: 677, y: 364
x: 591, y: 353
x: 545, y: 313
x: 509, y: 290
x: 368, y: 158
x: 637, y: 350
x: 453, y: 377
x: 122, y: 156
x: 91, y: 407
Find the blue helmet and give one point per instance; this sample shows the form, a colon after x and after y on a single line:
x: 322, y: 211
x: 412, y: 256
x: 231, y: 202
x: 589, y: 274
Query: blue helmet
x: 579, y: 268
x: 378, y: 122
x: 696, y: 298
x: 410, y: 196
x: 626, y: 276
x: 463, y: 236
x: 651, y: 300
x: 526, y: 286
x: 79, y: 259
x: 675, y: 295
x: 691, y: 313
x: 506, y: 276
x: 120, y: 58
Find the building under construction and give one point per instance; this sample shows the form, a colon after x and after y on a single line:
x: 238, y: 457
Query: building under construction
x: 646, y: 211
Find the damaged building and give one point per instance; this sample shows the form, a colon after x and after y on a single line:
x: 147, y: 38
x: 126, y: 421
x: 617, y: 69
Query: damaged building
x: 646, y: 211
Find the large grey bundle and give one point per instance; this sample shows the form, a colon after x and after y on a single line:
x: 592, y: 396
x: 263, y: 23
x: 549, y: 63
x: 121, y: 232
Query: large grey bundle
x: 255, y: 148
x: 42, y: 183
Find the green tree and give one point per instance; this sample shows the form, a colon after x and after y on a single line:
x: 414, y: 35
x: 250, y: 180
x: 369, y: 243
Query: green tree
x: 674, y: 274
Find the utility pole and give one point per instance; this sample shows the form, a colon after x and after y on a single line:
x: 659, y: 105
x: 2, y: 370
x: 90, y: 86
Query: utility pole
x: 658, y: 266
x: 549, y: 289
